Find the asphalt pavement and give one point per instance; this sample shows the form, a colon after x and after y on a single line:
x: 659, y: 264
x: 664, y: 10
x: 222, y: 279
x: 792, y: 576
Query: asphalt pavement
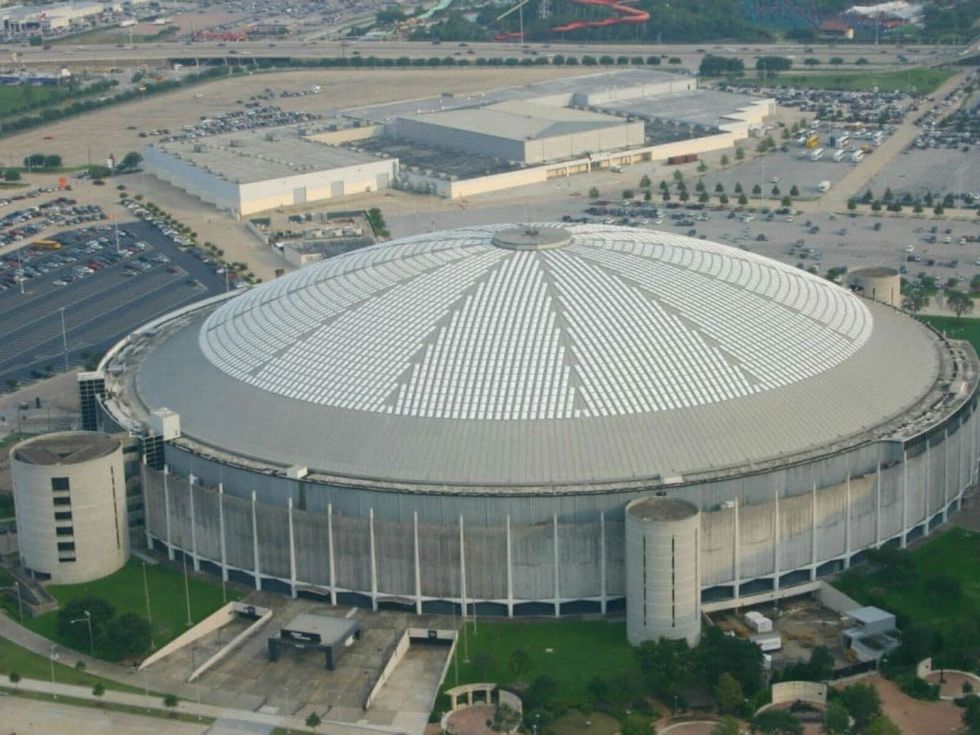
x: 51, y: 323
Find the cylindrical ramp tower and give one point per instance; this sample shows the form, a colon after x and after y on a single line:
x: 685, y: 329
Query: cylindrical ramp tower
x: 70, y: 498
x: 883, y: 285
x: 663, y: 570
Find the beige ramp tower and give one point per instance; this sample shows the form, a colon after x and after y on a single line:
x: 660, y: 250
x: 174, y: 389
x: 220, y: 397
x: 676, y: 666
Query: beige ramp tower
x: 70, y: 497
x: 663, y: 571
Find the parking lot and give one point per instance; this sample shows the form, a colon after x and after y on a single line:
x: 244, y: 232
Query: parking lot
x: 76, y: 300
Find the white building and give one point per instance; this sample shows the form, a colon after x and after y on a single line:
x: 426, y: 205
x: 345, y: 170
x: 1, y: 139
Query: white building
x: 243, y: 174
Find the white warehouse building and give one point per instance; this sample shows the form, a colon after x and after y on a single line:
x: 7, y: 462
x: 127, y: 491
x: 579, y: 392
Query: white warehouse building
x: 244, y: 174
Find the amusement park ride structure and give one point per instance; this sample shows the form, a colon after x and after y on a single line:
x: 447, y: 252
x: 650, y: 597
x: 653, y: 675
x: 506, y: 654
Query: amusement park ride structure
x: 625, y: 14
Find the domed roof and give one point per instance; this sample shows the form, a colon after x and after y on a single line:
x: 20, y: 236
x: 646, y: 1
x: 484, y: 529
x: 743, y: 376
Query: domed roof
x: 566, y: 355
x: 596, y: 322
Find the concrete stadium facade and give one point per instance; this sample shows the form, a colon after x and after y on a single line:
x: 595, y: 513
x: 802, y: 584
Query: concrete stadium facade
x: 886, y: 468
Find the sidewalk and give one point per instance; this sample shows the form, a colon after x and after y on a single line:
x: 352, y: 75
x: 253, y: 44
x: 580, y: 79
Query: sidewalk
x: 226, y: 715
x: 218, y: 704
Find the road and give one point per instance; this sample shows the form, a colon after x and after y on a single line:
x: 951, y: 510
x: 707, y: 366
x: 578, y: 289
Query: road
x: 689, y: 54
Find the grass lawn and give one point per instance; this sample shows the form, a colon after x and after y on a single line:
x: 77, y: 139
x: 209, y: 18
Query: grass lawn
x: 579, y: 651
x: 6, y: 505
x: 16, y: 99
x: 924, y: 80
x: 596, y: 723
x: 953, y: 553
x: 124, y: 589
x: 33, y: 666
x: 962, y: 328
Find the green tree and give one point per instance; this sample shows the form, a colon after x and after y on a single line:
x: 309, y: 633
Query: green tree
x: 14, y: 678
x: 776, y: 722
x: 702, y: 167
x: 598, y: 690
x: 862, y: 702
x: 519, y: 663
x: 98, y: 691
x: 742, y: 199
x: 775, y: 190
x: 786, y: 201
x: 52, y: 161
x: 836, y: 720
x: 851, y: 204
x: 667, y: 666
x: 131, y: 161
x: 678, y: 176
x: 810, y: 61
x: 959, y: 303
x: 11, y: 174
x: 76, y: 634
x: 541, y: 693
x: 739, y: 154
x: 593, y: 193
x: 313, y: 721
x: 724, y: 160
x: 728, y: 694
x: 794, y: 191
x: 738, y: 187
x: 645, y: 182
x: 756, y: 190
x: 170, y: 701
x: 837, y: 61
x: 130, y: 636
x: 719, y: 188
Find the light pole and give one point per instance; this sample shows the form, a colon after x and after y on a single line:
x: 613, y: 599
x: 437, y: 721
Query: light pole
x: 64, y: 336
x: 187, y: 589
x: 91, y: 640
x: 51, y: 657
x: 285, y: 690
x: 149, y: 616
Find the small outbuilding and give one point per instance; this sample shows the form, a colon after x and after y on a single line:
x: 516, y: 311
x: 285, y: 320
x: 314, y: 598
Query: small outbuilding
x: 317, y: 632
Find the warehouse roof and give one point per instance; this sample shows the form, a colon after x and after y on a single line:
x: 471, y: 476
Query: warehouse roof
x: 249, y: 157
x: 521, y: 120
x: 706, y: 107
x: 625, y: 354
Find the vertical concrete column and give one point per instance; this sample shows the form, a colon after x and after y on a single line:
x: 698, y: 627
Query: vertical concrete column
x: 945, y: 474
x: 462, y: 567
x: 736, y: 555
x: 510, y: 573
x: 960, y: 431
x: 333, y: 566
x: 292, y: 549
x: 255, y: 547
x: 166, y: 511
x: 374, y: 561
x: 776, y: 533
x: 418, y: 567
x: 195, y: 560
x: 847, y: 522
x: 925, y: 496
x: 878, y: 506
x: 813, y: 532
x: 144, y: 476
x: 554, y: 535
x: 221, y: 532
x: 905, y: 498
x: 603, y: 592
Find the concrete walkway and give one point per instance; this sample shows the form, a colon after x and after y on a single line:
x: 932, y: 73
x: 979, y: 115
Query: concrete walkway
x: 222, y: 704
x: 226, y: 718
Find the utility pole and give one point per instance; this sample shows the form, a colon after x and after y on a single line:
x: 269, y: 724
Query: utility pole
x: 149, y: 615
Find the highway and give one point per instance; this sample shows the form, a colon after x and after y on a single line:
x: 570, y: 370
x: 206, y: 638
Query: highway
x: 79, y: 56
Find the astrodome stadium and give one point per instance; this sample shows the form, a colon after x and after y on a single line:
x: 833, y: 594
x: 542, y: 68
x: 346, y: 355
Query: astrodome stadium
x: 457, y: 421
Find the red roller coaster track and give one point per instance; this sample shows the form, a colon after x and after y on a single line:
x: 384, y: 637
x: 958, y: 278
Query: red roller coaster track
x: 628, y: 14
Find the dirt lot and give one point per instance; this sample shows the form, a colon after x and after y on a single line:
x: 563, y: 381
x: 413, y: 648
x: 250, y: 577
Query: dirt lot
x: 915, y: 715
x: 92, y: 137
